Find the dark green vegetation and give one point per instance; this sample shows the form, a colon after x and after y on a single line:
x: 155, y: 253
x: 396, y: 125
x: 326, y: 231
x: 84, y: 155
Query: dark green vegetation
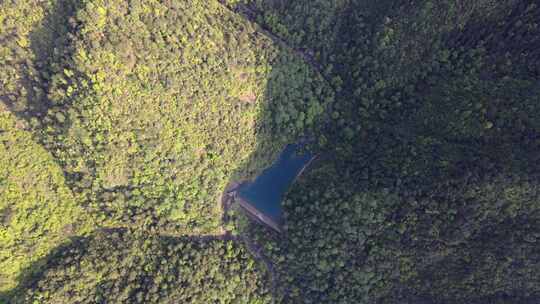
x: 148, y: 108
x: 139, y: 113
x: 118, y: 266
x: 432, y: 193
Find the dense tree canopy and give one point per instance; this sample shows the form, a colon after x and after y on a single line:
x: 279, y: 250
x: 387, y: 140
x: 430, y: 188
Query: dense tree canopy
x: 37, y: 210
x: 130, y: 119
x: 116, y: 266
x: 431, y: 192
x: 156, y: 107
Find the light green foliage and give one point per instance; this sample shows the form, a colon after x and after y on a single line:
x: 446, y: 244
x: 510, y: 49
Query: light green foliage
x: 124, y: 267
x: 162, y: 104
x: 37, y: 210
x: 149, y: 109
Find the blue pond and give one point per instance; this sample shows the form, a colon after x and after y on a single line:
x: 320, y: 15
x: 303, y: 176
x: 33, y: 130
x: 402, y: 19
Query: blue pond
x: 268, y: 189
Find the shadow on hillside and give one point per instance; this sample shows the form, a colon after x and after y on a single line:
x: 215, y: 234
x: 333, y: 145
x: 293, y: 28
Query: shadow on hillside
x: 96, y: 246
x: 48, y: 49
x: 32, y: 272
x: 441, y: 154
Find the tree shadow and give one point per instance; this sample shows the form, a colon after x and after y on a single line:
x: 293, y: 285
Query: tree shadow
x: 294, y: 107
x: 30, y: 273
x: 291, y: 97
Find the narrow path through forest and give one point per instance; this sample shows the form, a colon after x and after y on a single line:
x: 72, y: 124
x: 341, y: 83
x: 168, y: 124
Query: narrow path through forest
x: 256, y: 250
x: 249, y: 14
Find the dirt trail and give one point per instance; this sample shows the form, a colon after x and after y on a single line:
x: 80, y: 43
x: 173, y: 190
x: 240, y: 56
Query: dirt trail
x: 251, y: 15
x: 257, y: 252
x: 227, y: 200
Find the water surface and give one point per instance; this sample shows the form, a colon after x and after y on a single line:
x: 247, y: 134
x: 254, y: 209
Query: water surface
x: 266, y: 192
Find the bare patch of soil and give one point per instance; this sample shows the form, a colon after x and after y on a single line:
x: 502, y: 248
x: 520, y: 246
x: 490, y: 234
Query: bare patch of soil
x: 248, y: 97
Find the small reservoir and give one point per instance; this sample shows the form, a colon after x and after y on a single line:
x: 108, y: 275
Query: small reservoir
x: 262, y: 197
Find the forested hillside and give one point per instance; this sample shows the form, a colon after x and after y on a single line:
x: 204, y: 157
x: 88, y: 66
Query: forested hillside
x: 431, y: 192
x: 123, y: 122
x: 145, y: 111
x: 116, y: 266
x: 150, y: 104
x: 38, y: 211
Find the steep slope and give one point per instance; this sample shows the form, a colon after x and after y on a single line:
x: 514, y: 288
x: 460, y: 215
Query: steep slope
x: 427, y: 185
